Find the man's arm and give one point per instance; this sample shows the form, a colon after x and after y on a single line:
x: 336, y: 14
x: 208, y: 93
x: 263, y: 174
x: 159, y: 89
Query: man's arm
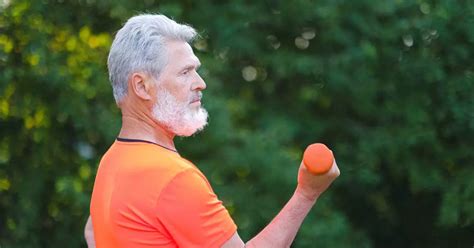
x: 89, y: 233
x: 282, y: 230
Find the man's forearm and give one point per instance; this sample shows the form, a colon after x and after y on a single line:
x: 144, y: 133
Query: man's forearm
x: 282, y: 230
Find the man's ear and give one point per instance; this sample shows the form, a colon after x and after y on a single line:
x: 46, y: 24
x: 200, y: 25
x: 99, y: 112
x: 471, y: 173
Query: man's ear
x: 140, y: 85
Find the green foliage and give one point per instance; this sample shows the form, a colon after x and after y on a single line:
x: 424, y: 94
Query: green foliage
x: 389, y: 85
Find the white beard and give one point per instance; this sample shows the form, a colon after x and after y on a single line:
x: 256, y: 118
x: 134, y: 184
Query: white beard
x: 178, y: 117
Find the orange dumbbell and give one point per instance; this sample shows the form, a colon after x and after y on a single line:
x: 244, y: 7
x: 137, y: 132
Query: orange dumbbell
x: 318, y: 158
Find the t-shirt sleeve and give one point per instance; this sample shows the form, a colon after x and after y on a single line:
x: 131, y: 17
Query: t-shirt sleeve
x: 192, y: 214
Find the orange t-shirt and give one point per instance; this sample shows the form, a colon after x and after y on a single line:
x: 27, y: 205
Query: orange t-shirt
x: 147, y: 196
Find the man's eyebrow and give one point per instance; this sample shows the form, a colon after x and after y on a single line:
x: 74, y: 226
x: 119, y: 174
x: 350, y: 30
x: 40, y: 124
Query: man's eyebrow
x: 192, y: 66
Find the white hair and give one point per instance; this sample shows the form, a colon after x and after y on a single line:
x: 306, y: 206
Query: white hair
x: 139, y: 46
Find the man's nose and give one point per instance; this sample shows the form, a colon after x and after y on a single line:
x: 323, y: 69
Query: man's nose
x: 199, y: 83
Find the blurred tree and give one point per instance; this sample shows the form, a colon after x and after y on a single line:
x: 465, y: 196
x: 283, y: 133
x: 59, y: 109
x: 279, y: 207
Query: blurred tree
x: 388, y: 85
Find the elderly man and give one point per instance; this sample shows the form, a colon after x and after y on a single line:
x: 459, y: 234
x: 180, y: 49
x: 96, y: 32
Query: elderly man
x: 145, y: 194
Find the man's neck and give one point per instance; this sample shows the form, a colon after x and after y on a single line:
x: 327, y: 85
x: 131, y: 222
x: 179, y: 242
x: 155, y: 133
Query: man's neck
x: 145, y: 129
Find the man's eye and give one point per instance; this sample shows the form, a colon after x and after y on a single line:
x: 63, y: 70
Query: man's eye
x: 185, y: 72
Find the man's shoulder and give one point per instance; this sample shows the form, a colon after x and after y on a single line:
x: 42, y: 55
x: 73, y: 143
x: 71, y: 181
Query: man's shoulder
x: 146, y: 169
x: 148, y: 160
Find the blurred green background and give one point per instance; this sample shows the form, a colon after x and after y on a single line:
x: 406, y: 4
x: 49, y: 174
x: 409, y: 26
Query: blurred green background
x: 388, y: 85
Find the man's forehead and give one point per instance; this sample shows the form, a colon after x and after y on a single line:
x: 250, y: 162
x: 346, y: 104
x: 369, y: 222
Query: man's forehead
x: 190, y: 61
x: 195, y: 60
x: 183, y: 51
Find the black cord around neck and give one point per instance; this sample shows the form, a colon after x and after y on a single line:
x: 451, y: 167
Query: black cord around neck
x: 144, y: 141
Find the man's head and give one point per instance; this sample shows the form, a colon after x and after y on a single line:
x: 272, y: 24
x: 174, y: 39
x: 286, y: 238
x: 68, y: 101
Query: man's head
x: 153, y: 72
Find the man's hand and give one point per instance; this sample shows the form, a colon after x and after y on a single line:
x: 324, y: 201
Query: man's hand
x: 89, y: 233
x: 312, y: 186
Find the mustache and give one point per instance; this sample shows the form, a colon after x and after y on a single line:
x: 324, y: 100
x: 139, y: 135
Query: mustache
x: 196, y: 97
